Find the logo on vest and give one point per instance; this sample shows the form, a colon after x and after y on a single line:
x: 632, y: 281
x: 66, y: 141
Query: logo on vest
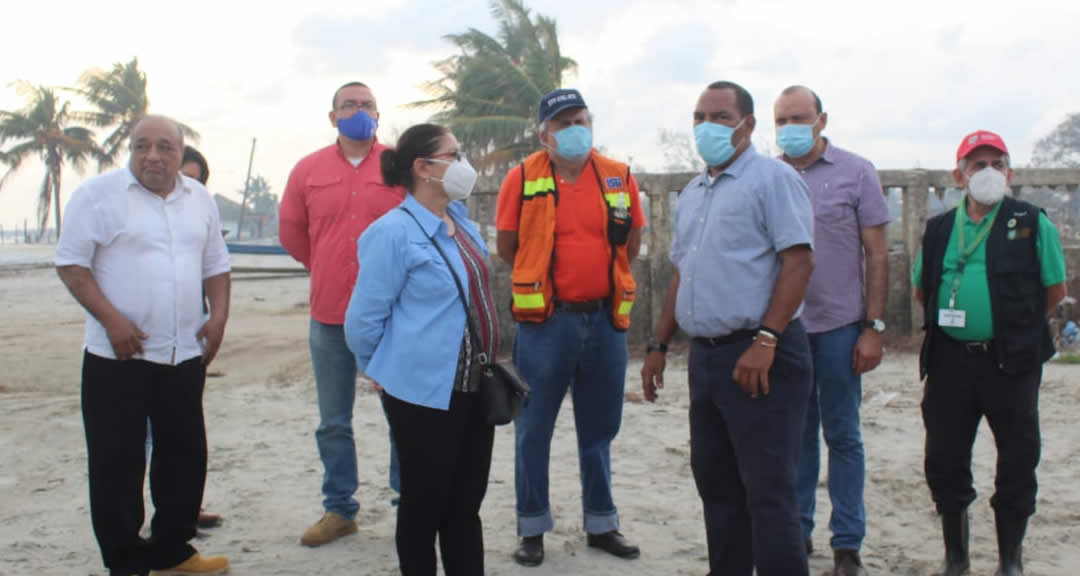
x: 614, y: 182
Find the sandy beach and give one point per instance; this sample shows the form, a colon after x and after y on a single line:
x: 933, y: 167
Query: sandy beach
x: 264, y: 472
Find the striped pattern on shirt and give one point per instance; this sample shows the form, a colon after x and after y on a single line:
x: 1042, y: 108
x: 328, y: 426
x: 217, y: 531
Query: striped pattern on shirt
x: 482, y: 311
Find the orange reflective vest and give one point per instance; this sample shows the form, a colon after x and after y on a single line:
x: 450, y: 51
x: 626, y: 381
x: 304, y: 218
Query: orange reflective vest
x: 533, y: 283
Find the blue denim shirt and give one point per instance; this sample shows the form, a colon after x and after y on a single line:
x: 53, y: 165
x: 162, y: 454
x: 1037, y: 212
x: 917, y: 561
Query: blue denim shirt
x: 405, y: 321
x: 729, y: 232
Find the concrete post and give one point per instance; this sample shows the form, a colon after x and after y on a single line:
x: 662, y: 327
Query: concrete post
x: 915, y: 195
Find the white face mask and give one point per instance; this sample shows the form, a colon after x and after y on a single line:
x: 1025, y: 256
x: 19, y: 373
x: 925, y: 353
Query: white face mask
x: 459, y: 179
x: 987, y: 186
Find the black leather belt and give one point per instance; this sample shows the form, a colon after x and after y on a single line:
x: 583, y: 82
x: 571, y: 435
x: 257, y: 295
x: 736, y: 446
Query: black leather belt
x: 586, y: 307
x: 737, y: 336
x: 969, y: 346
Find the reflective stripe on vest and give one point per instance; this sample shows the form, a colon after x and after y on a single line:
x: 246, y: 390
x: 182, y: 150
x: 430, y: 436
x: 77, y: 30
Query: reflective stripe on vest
x: 538, y: 186
x: 529, y: 301
x: 617, y: 199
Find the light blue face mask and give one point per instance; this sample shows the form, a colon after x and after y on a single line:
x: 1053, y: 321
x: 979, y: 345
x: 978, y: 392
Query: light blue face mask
x: 573, y: 142
x: 796, y: 140
x: 714, y: 142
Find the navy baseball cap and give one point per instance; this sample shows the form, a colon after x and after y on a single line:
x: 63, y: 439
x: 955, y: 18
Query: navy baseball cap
x: 557, y: 101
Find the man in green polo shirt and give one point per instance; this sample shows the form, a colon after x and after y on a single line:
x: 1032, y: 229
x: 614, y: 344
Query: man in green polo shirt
x: 989, y: 275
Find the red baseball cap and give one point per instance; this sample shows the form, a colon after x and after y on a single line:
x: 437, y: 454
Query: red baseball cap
x: 979, y: 139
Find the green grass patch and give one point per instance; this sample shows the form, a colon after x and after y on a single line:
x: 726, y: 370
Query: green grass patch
x: 1067, y: 359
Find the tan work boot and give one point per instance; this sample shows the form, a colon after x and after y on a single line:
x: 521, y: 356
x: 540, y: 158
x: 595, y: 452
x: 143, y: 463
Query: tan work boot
x: 329, y: 528
x: 197, y: 565
x: 209, y: 519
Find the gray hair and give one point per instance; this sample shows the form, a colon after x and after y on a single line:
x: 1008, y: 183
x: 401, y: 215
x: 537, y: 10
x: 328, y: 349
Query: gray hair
x: 544, y: 125
x: 961, y: 164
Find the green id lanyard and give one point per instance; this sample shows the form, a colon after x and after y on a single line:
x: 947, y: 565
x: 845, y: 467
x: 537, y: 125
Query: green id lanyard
x: 963, y: 252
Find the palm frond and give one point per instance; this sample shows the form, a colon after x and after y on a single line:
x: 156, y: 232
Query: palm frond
x: 488, y: 92
x: 15, y: 156
x: 190, y: 135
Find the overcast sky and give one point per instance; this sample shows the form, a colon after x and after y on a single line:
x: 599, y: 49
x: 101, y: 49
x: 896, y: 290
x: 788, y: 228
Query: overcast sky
x: 902, y: 81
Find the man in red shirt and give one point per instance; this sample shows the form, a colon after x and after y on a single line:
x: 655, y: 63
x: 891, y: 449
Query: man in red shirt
x: 332, y: 196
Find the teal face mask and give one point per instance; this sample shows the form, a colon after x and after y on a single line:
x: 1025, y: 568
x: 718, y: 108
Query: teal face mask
x: 714, y: 142
x: 573, y: 142
x: 796, y: 140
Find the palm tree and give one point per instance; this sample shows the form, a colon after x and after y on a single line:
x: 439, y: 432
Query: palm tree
x: 43, y: 129
x: 488, y: 93
x: 121, y: 101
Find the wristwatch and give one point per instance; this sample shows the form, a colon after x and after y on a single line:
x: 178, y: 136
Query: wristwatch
x: 877, y: 325
x: 655, y: 345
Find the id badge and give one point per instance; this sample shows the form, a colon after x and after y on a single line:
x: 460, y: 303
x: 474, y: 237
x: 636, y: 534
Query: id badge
x: 950, y: 318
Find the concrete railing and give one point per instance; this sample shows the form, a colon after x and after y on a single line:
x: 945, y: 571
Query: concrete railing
x: 913, y: 196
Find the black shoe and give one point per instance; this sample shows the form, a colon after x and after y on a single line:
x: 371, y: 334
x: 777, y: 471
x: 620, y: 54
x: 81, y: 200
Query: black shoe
x: 613, y: 543
x: 530, y: 551
x: 847, y: 563
x: 954, y: 527
x: 1010, y: 536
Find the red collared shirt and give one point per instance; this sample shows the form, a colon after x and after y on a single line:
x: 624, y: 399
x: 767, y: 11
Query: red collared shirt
x: 327, y: 205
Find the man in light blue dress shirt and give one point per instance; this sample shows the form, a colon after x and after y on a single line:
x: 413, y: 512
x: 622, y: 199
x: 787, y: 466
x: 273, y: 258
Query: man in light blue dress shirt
x: 742, y: 256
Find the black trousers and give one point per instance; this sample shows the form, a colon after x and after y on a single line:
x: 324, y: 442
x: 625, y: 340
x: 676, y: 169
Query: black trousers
x: 117, y: 398
x: 445, y: 458
x: 962, y: 386
x: 744, y: 453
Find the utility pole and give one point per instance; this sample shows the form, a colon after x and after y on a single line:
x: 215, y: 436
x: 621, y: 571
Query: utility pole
x: 247, y: 186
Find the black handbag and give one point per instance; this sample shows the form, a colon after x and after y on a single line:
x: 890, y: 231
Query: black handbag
x: 501, y: 388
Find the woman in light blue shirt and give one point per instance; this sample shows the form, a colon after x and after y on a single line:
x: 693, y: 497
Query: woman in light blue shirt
x: 407, y: 328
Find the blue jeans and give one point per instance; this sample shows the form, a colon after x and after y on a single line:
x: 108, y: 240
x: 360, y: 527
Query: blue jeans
x: 335, y: 383
x: 585, y: 353
x: 834, y: 407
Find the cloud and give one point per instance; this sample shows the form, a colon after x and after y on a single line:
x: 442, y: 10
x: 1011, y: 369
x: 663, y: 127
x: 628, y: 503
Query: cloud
x: 902, y: 82
x: 363, y: 45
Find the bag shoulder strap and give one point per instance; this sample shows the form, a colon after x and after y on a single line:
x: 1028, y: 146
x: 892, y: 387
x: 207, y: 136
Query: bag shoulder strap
x: 482, y: 356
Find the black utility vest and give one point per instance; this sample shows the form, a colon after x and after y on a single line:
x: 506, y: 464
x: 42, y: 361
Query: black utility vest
x: 1022, y: 339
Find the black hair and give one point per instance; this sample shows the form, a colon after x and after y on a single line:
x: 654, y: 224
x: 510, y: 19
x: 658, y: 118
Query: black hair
x: 333, y: 101
x: 797, y: 87
x: 743, y: 101
x: 419, y: 141
x: 193, y: 155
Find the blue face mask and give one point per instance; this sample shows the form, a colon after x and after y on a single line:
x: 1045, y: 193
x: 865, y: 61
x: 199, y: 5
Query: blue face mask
x: 359, y: 126
x: 714, y: 142
x: 574, y: 142
x: 796, y: 140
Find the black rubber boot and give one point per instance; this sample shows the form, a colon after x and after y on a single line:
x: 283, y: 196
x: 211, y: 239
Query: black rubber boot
x: 1010, y: 535
x: 954, y: 527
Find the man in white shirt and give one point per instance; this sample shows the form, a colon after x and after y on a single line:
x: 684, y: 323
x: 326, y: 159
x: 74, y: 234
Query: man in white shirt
x: 138, y: 247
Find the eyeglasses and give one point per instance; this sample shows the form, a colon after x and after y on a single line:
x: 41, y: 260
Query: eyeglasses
x: 456, y: 154
x: 353, y: 105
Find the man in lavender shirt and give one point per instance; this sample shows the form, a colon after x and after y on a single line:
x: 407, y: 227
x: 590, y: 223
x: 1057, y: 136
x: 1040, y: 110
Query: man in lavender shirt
x: 845, y: 303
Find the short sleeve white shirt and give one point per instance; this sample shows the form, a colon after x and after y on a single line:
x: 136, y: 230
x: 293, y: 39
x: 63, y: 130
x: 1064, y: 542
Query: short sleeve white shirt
x: 149, y: 255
